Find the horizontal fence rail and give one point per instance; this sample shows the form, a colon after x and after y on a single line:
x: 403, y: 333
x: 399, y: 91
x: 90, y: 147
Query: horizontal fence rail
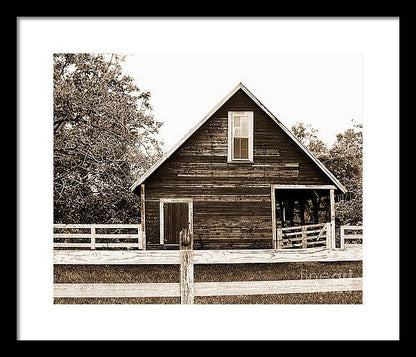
x: 345, y: 236
x: 94, y: 237
x: 234, y: 256
x: 228, y: 288
x: 306, y: 236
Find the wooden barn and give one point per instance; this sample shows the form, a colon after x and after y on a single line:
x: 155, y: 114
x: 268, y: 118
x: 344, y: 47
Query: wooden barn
x: 238, y: 179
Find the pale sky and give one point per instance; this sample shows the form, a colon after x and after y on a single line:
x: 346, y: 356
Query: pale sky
x: 324, y: 90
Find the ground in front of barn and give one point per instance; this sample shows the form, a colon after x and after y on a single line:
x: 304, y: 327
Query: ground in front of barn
x: 90, y: 274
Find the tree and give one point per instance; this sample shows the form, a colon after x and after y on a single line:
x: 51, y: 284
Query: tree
x: 104, y: 137
x: 308, y: 136
x: 345, y: 160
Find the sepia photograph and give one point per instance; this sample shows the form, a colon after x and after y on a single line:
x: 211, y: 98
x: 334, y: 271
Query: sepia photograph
x: 248, y: 206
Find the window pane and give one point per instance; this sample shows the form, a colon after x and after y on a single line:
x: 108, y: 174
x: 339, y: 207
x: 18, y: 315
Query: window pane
x: 236, y: 121
x: 244, y: 143
x: 244, y: 131
x: 244, y: 148
x: 237, y: 131
x: 237, y: 148
x: 244, y: 122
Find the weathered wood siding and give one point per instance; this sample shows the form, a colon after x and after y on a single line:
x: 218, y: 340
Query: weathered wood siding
x: 232, y: 207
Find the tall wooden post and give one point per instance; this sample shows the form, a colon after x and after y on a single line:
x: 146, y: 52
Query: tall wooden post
x: 315, y: 203
x: 304, y: 242
x: 332, y: 204
x: 273, y: 203
x: 282, y: 212
x: 186, y: 242
x: 93, y: 237
x: 291, y: 211
x: 328, y: 235
x: 342, y: 240
x: 302, y: 204
x: 143, y: 217
x: 279, y: 238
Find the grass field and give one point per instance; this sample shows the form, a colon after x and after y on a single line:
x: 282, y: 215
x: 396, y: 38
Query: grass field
x: 217, y: 272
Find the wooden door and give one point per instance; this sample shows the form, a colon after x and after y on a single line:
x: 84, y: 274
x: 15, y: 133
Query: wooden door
x: 176, y: 218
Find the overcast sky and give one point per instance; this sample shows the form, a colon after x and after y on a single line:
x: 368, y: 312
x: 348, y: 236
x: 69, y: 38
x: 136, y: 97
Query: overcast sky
x: 324, y: 90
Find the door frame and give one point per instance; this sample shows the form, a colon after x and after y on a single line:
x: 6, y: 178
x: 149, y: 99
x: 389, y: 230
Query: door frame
x: 273, y: 188
x: 162, y: 201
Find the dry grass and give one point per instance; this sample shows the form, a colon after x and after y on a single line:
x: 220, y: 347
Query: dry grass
x: 280, y: 271
x: 352, y: 297
x: 88, y: 274
x: 218, y: 272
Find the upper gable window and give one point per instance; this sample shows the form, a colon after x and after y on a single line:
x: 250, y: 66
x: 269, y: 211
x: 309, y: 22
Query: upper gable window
x: 240, y: 136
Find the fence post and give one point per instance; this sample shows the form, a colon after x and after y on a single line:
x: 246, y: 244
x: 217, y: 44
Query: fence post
x: 141, y: 238
x: 342, y: 228
x: 92, y: 237
x: 187, y: 267
x: 332, y: 204
x: 143, y: 217
x: 304, y: 242
x: 328, y: 236
x: 273, y: 202
x: 279, y: 238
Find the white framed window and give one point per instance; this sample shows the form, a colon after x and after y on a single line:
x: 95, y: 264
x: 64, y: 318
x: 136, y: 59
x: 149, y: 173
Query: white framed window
x: 240, y: 136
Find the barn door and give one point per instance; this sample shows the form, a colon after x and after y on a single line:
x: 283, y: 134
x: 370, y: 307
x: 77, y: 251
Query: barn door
x: 176, y: 218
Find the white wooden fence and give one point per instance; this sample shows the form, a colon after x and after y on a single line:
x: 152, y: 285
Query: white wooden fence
x: 306, y: 236
x: 303, y: 244
x: 93, y: 239
x: 345, y: 236
x: 187, y: 288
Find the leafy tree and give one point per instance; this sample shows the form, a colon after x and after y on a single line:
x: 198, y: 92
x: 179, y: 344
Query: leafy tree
x: 309, y: 137
x: 345, y: 160
x: 104, y: 136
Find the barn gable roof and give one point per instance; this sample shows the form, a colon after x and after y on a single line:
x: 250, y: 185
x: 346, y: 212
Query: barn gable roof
x: 213, y: 110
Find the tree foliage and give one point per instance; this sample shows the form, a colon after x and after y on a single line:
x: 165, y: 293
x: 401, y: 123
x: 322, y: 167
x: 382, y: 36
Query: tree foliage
x: 309, y: 137
x: 345, y: 160
x: 104, y: 137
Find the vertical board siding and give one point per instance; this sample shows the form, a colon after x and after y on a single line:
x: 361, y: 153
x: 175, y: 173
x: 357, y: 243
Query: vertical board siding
x: 231, y: 200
